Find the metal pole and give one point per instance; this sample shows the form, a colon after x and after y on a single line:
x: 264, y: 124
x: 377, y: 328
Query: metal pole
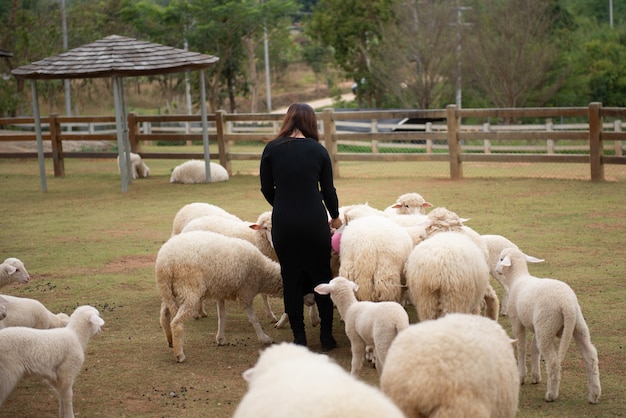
x: 42, y: 165
x: 66, y: 82
x: 268, y: 89
x: 458, y: 54
x: 119, y: 123
x: 205, y: 129
x: 611, y: 12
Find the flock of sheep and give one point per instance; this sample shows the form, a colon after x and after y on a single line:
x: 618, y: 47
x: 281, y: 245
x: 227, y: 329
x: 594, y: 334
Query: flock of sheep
x: 457, y: 360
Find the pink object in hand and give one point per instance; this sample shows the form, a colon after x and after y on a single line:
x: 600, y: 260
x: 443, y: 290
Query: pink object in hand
x: 335, y: 241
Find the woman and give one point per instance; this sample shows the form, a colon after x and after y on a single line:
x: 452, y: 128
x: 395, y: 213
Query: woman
x: 296, y: 176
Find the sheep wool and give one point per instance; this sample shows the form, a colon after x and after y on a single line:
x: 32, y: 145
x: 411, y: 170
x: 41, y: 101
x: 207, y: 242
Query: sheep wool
x: 12, y: 270
x: 25, y: 312
x: 457, y: 366
x: 495, y: 244
x: 194, y: 171
x: 310, y: 385
x: 200, y: 264
x: 550, y: 309
x: 195, y: 210
x: 138, y: 168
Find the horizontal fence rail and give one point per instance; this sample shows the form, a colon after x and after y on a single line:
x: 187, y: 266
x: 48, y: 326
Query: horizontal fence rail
x: 590, y: 135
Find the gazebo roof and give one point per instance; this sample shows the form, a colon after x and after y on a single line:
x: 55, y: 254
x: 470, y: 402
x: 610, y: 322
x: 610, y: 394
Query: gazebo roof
x: 115, y: 56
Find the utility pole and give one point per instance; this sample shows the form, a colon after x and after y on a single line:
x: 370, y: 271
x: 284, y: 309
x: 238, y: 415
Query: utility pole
x: 611, y: 12
x: 459, y: 23
x: 66, y: 82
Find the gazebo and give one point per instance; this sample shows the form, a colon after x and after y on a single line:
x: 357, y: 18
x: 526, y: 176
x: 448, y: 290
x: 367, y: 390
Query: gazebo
x: 117, y: 57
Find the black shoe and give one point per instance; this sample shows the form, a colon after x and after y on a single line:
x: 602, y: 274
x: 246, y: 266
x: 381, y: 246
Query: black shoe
x: 328, y: 343
x: 299, y: 339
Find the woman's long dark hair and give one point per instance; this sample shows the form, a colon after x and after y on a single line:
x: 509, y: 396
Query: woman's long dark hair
x: 302, y: 117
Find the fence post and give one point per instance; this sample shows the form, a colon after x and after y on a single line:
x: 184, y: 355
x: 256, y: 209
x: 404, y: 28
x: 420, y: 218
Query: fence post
x: 222, y: 145
x: 617, y: 127
x: 132, y: 133
x: 549, y: 142
x: 454, y: 145
x: 429, y: 142
x: 595, y: 142
x: 328, y: 127
x: 57, y: 146
x: 486, y: 142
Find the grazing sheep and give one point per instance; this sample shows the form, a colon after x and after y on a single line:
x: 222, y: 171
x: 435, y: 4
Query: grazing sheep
x: 12, y: 270
x: 447, y: 273
x: 137, y: 167
x: 549, y: 309
x: 310, y: 385
x: 195, y: 210
x: 408, y: 204
x: 194, y: 171
x: 200, y: 264
x: 457, y: 366
x: 368, y: 324
x: 25, y: 312
x: 495, y: 244
x: 55, y: 354
x: 373, y: 252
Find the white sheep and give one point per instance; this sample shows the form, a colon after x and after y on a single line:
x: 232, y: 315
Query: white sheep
x: 549, y: 309
x: 195, y: 210
x: 407, y: 204
x: 495, y: 244
x: 373, y: 253
x: 359, y: 210
x: 309, y: 385
x: 25, y: 312
x: 12, y: 270
x: 3, y: 309
x: 447, y: 273
x: 55, y: 354
x: 137, y: 167
x: 194, y: 171
x: 368, y: 324
x: 457, y: 366
x: 200, y: 264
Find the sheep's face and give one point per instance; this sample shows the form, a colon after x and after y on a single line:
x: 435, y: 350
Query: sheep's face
x: 15, y: 269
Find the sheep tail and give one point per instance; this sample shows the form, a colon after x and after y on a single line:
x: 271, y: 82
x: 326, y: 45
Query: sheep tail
x: 165, y: 286
x: 570, y: 319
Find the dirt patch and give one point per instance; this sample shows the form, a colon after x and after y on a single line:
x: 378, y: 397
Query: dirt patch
x: 129, y: 263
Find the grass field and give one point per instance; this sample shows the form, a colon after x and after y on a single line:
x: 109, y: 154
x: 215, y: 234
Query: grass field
x: 85, y: 242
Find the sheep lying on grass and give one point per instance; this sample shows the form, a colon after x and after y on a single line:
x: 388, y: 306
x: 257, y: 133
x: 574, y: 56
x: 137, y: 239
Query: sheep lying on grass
x: 56, y: 354
x: 309, y: 385
x: 368, y: 324
x: 3, y: 309
x: 200, y: 264
x: 12, y: 270
x: 194, y: 171
x: 457, y: 366
x: 137, y: 167
x: 25, y: 312
x: 195, y: 210
x: 549, y: 309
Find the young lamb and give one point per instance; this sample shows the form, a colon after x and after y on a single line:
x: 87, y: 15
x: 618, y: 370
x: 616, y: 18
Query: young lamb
x: 368, y: 324
x: 195, y: 210
x: 3, y: 308
x: 373, y: 253
x: 55, y: 354
x: 407, y: 204
x: 310, y: 385
x: 25, y: 312
x: 12, y: 270
x: 548, y: 308
x: 447, y: 273
x: 137, y: 167
x: 200, y: 264
x: 495, y: 244
x: 194, y: 171
x: 457, y: 366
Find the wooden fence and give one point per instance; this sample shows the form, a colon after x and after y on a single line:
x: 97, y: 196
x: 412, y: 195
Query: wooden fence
x: 441, y: 136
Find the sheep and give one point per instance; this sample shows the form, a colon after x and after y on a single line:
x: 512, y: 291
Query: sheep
x: 12, y: 270
x: 352, y: 212
x: 460, y: 365
x: 55, y: 354
x: 495, y: 244
x: 25, y: 312
x: 194, y: 171
x: 309, y: 301
x: 373, y: 252
x: 3, y: 309
x: 548, y: 308
x: 368, y: 324
x: 407, y: 204
x: 195, y: 210
x: 137, y: 167
x: 311, y: 386
x: 200, y: 264
x: 446, y: 273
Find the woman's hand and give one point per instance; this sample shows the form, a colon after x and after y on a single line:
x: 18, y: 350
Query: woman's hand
x: 335, y: 223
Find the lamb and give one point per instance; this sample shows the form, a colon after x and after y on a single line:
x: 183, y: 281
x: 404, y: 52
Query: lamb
x: 548, y: 308
x: 56, y: 354
x: 3, y: 309
x: 12, y: 270
x: 313, y: 386
x: 495, y: 244
x: 25, y: 312
x: 200, y: 264
x: 373, y: 253
x: 368, y: 324
x: 195, y: 210
x: 447, y: 273
x: 460, y: 365
x: 137, y: 167
x: 194, y: 171
x: 407, y: 204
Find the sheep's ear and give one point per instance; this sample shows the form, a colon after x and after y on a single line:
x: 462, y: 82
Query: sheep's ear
x: 256, y: 227
x: 465, y: 219
x: 96, y: 320
x: 248, y: 375
x: 532, y: 259
x: 10, y: 269
x: 355, y: 286
x: 505, y: 261
x: 427, y: 205
x: 323, y: 289
x: 396, y: 206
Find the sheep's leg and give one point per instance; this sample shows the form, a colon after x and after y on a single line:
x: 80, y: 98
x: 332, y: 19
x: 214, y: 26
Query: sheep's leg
x: 314, y: 315
x: 263, y: 338
x: 62, y: 383
x: 535, y: 356
x: 590, y: 358
x: 492, y: 305
x: 165, y: 320
x: 520, y: 335
x: 178, y: 330
x: 358, y: 355
x: 268, y: 308
x: 545, y: 344
x: 66, y: 407
x: 220, y: 337
x: 282, y: 321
